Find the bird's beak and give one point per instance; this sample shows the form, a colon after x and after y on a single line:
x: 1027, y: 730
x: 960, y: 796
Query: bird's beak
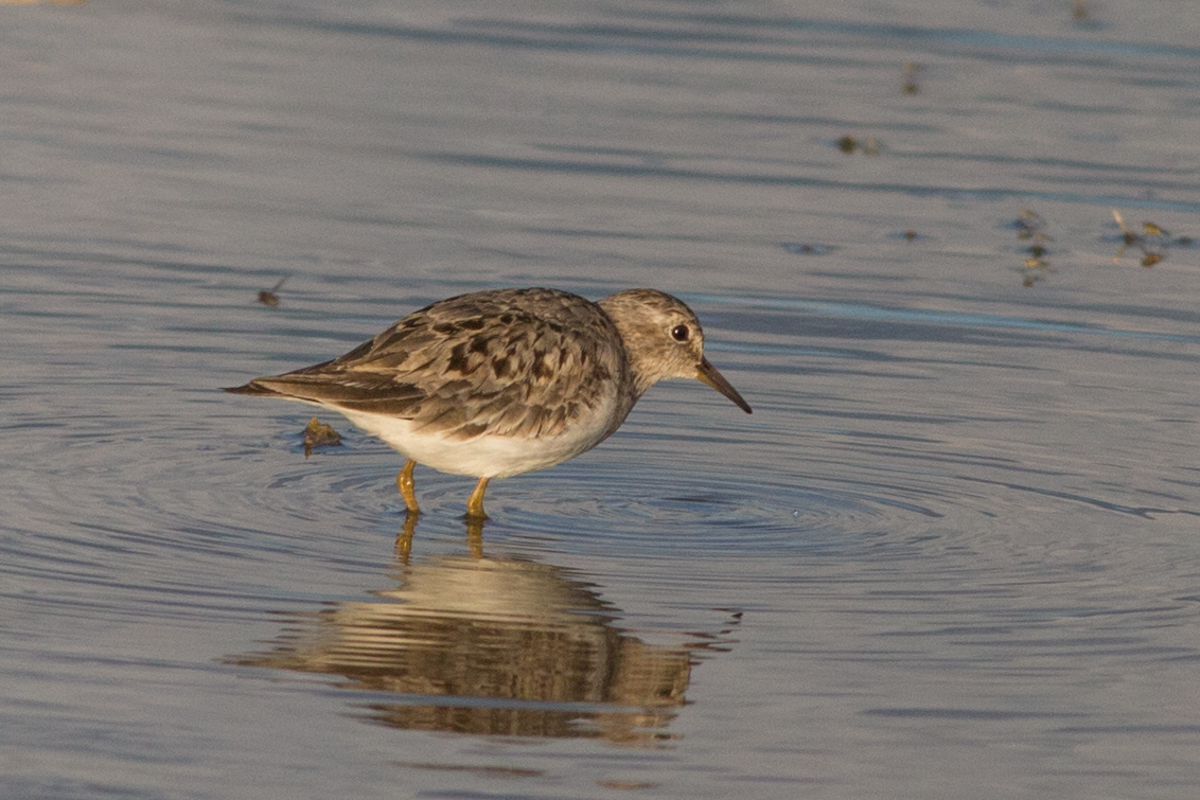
x: 707, y: 373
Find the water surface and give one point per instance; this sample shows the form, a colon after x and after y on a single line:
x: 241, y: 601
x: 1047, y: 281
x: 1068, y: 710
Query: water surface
x: 952, y: 553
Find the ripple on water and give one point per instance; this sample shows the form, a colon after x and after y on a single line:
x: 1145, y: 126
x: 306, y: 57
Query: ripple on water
x: 602, y: 506
x: 630, y: 496
x: 165, y: 509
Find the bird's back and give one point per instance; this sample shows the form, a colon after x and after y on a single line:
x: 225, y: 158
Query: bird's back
x: 512, y: 362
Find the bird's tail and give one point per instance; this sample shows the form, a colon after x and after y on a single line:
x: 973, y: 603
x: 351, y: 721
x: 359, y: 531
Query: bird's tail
x: 252, y: 387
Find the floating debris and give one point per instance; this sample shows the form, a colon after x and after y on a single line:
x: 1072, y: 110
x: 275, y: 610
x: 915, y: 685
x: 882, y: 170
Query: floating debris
x: 1153, y: 241
x: 1031, y: 227
x: 319, y: 434
x: 849, y: 144
x: 808, y: 248
x: 268, y: 297
x: 911, y: 70
x: 1083, y: 15
x: 909, y: 235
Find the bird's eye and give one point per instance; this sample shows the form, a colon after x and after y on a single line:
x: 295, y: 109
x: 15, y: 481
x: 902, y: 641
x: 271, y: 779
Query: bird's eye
x: 680, y: 333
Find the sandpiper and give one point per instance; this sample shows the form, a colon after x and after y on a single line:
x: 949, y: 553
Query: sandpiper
x: 497, y: 383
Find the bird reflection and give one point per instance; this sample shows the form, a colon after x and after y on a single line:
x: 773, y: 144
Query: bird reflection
x: 500, y: 645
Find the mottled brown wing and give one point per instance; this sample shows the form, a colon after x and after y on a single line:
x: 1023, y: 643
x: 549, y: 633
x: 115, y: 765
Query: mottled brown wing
x: 513, y: 361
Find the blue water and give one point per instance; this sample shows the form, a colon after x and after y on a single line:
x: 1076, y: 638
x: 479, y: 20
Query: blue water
x: 951, y: 554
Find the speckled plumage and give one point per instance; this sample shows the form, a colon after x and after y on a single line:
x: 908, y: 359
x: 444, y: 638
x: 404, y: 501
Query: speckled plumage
x: 497, y: 383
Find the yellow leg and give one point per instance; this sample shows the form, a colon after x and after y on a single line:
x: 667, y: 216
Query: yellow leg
x: 475, y: 537
x: 475, y: 504
x: 405, y: 537
x: 404, y: 482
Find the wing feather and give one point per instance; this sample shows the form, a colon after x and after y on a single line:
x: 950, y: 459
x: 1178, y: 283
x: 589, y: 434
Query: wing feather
x: 518, y: 361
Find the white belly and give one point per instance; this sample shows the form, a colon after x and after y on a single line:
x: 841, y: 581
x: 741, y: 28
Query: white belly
x: 483, y: 456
